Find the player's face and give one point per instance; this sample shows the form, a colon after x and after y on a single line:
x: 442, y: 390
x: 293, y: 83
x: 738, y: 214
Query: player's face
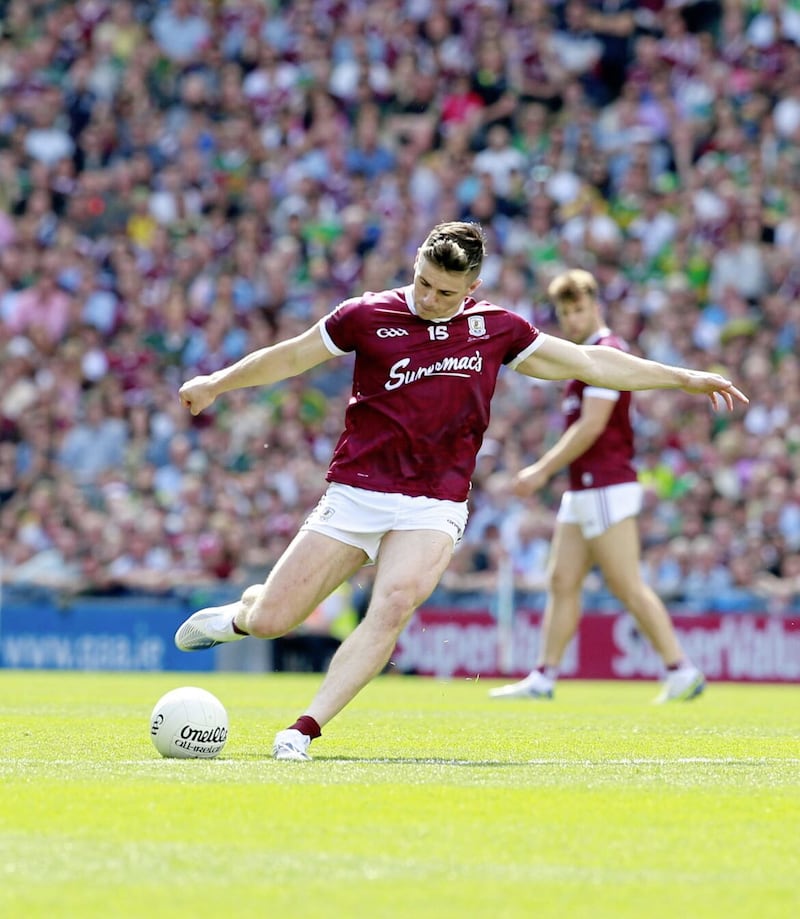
x: 438, y: 293
x: 580, y: 319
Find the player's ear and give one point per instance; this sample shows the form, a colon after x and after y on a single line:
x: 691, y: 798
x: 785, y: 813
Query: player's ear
x: 474, y: 285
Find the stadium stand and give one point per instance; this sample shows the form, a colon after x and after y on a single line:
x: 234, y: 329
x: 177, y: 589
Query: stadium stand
x: 182, y: 182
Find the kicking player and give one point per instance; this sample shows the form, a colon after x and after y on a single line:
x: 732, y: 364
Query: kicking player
x: 427, y: 357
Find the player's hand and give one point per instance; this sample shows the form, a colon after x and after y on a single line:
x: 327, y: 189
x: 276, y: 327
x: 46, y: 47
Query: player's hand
x: 197, y: 394
x: 499, y: 485
x: 716, y: 387
x: 529, y: 480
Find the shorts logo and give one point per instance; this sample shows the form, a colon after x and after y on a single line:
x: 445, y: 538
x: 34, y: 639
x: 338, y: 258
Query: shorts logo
x: 477, y: 325
x: 391, y: 333
x: 457, y: 527
x: 322, y: 512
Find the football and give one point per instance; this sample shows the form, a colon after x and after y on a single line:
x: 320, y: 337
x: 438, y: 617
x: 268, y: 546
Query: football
x: 189, y: 723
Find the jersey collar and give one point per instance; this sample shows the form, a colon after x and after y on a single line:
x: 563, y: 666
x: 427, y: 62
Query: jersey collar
x: 596, y: 336
x: 409, y: 295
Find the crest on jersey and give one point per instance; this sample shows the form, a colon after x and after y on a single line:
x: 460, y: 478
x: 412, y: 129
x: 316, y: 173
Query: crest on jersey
x: 477, y: 325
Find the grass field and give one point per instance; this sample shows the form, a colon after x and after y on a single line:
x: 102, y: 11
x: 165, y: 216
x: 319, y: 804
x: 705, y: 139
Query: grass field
x: 424, y: 799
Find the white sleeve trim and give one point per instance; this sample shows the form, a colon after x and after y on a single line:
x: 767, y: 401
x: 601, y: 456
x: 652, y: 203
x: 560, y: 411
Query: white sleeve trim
x: 533, y: 346
x: 328, y: 341
x: 597, y: 392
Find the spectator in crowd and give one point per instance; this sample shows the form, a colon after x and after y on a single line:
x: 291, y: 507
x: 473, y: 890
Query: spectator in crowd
x: 180, y: 30
x: 58, y: 565
x: 42, y: 310
x: 782, y: 589
x: 95, y: 444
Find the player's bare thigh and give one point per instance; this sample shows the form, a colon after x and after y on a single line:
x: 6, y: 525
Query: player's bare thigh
x: 311, y: 567
x: 617, y: 552
x: 570, y: 558
x: 409, y: 566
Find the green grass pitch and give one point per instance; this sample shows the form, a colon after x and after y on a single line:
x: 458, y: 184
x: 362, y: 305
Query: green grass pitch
x: 425, y: 798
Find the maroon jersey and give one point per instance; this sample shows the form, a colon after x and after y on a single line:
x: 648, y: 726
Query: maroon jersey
x: 609, y: 460
x: 421, y: 390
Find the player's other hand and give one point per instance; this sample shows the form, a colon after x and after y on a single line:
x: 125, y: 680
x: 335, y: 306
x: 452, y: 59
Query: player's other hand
x: 499, y: 485
x: 530, y: 480
x: 197, y: 394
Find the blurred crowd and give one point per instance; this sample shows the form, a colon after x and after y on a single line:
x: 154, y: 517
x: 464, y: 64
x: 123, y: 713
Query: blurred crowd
x: 184, y: 181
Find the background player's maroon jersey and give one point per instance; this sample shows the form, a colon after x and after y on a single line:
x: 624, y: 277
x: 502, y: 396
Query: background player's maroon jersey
x: 609, y: 461
x: 421, y: 390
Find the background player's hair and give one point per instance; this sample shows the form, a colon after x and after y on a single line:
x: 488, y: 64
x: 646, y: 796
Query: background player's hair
x: 455, y: 246
x: 570, y: 286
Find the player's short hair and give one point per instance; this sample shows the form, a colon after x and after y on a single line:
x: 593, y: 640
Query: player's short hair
x: 456, y: 246
x: 571, y: 286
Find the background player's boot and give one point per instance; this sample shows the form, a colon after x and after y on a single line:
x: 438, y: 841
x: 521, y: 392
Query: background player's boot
x: 681, y: 685
x: 535, y: 686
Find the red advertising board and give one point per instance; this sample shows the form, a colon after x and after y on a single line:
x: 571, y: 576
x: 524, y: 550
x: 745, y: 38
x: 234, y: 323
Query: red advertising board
x: 741, y: 647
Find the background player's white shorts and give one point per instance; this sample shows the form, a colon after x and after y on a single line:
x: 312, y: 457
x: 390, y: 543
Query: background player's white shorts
x: 362, y: 518
x: 597, y: 509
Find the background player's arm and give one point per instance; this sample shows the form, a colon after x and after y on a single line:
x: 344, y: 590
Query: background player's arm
x: 259, y: 368
x: 574, y: 442
x: 610, y: 368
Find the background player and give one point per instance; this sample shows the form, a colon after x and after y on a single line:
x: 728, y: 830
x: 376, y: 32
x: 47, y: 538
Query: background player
x: 597, y: 520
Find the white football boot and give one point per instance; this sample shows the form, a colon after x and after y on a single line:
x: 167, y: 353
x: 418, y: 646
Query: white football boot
x: 682, y: 685
x: 291, y: 744
x: 535, y: 686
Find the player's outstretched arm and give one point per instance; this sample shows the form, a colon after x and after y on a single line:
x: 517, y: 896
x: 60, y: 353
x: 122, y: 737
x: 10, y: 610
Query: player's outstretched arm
x: 259, y: 368
x: 598, y: 365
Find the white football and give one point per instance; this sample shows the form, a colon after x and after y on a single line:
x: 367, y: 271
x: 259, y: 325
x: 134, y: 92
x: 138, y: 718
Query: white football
x: 189, y: 723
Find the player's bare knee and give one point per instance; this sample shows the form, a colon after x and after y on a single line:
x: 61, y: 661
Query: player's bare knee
x: 630, y: 594
x: 259, y: 628
x: 262, y: 620
x: 392, y: 610
x: 251, y: 595
x: 563, y: 583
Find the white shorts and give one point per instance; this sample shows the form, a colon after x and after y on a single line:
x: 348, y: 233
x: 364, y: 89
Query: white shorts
x: 594, y: 510
x: 362, y: 518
